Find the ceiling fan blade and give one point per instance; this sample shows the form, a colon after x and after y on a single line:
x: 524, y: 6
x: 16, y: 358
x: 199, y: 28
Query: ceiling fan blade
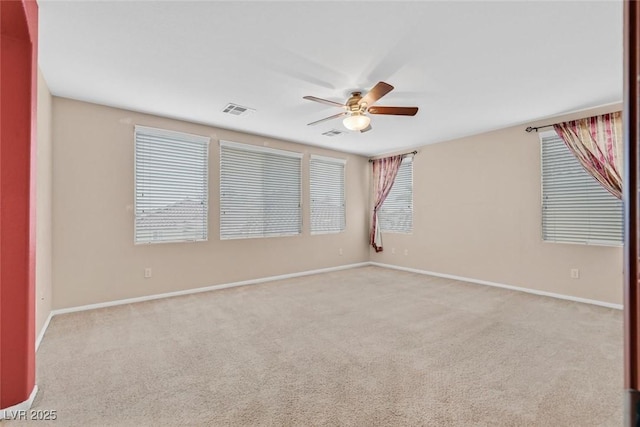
x: 335, y: 116
x: 367, y: 129
x: 376, y: 92
x: 397, y: 111
x: 324, y: 101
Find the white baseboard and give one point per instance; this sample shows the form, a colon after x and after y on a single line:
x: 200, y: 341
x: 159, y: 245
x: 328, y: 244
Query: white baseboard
x: 13, y: 412
x: 43, y: 330
x: 308, y: 273
x: 205, y: 289
x: 500, y: 285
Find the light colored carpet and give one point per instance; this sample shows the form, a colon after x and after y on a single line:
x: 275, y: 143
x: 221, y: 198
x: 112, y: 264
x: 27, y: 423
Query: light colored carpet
x: 360, y: 347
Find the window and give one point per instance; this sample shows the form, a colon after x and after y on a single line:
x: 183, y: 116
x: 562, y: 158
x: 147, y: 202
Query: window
x: 326, y: 182
x: 396, y: 213
x: 575, y: 207
x: 259, y: 191
x: 171, y: 186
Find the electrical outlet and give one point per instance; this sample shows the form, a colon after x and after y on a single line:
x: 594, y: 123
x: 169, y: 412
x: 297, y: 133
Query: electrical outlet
x: 147, y: 273
x: 406, y: 251
x: 575, y: 273
x: 340, y: 251
x: 393, y: 250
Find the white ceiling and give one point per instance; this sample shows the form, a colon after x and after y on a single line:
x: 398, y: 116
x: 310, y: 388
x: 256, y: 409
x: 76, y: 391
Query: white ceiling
x: 469, y: 66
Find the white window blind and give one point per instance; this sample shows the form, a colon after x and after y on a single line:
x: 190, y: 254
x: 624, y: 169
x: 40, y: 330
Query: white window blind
x: 575, y: 207
x: 326, y: 182
x: 171, y: 186
x: 260, y: 191
x: 396, y: 213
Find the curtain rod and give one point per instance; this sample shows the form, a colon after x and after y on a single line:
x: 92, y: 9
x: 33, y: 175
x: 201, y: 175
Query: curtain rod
x: 530, y: 129
x: 414, y: 152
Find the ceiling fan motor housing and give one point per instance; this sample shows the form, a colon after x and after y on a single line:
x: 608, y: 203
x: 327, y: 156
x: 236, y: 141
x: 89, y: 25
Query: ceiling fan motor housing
x: 353, y: 104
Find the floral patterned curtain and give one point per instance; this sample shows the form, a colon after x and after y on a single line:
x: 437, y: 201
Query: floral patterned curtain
x: 384, y: 174
x: 597, y: 144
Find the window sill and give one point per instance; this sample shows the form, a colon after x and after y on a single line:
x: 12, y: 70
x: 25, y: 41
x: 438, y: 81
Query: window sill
x: 320, y: 233
x: 605, y: 244
x: 259, y: 237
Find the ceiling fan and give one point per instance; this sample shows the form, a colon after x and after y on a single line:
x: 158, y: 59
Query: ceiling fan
x: 357, y: 106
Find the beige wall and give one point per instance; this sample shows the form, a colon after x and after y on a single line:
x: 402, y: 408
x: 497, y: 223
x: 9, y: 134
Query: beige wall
x: 95, y: 258
x: 477, y: 215
x: 43, y: 205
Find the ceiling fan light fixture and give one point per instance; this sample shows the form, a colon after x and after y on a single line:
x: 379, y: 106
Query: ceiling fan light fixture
x: 356, y: 122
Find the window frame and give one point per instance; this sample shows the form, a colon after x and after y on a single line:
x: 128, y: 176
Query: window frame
x: 408, y: 160
x: 586, y: 242
x: 184, y: 137
x: 336, y: 161
x: 268, y: 150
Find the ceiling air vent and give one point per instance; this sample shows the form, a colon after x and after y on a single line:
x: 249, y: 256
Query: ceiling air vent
x: 333, y: 132
x: 237, y: 110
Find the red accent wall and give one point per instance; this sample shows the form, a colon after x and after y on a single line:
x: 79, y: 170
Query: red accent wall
x: 18, y: 95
